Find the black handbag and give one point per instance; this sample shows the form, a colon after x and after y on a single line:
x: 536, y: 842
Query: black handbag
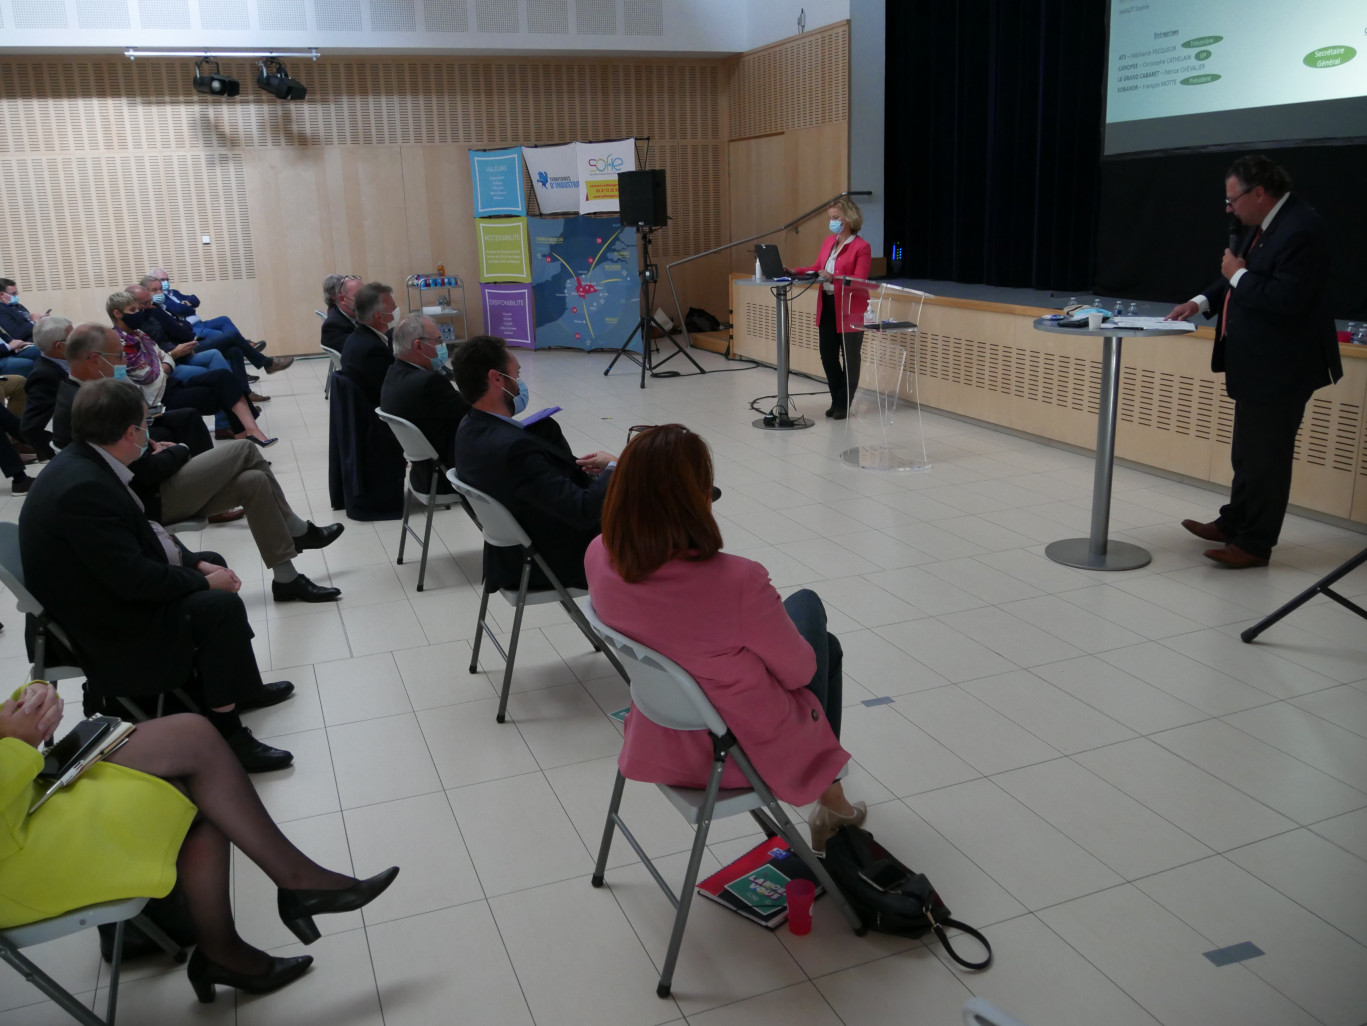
x: 889, y: 897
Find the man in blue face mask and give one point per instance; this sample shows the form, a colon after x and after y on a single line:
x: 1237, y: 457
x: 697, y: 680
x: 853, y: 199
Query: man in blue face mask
x: 556, y: 496
x: 415, y: 390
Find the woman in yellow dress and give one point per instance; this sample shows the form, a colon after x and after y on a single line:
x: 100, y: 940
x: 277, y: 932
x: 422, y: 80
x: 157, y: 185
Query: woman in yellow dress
x: 165, y: 805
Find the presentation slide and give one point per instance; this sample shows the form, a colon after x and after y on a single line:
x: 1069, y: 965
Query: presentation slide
x: 1210, y: 73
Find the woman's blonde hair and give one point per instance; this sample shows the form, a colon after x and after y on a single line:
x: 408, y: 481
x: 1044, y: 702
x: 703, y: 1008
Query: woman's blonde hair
x: 850, y: 212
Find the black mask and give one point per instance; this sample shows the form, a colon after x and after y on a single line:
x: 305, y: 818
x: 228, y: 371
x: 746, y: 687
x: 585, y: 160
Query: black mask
x: 136, y: 320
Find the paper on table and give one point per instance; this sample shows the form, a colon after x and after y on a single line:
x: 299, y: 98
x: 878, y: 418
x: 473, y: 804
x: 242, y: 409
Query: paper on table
x: 1152, y: 323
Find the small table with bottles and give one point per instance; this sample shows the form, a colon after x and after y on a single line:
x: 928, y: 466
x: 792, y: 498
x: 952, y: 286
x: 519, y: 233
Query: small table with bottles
x: 432, y: 295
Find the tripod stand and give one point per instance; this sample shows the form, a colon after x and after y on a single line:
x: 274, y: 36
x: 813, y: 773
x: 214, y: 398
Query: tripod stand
x: 1320, y: 587
x: 650, y: 278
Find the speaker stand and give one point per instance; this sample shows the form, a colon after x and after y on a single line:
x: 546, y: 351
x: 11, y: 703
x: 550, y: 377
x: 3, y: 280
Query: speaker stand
x: 650, y: 278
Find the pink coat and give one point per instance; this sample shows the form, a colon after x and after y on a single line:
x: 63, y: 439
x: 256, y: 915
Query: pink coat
x: 723, y: 622
x: 854, y: 261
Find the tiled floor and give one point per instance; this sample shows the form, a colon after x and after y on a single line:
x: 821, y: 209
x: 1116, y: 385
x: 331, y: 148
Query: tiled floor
x: 1093, y: 768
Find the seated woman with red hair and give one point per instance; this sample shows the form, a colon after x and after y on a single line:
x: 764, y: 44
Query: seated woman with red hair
x: 773, y: 672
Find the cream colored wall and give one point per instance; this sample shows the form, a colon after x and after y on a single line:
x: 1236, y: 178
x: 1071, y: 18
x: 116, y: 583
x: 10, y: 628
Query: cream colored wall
x: 986, y: 361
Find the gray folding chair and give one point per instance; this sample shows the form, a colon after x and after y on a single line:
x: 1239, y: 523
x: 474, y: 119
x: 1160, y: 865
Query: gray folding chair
x: 416, y: 449
x: 120, y: 912
x: 501, y: 529
x: 665, y: 693
x: 335, y: 365
x: 12, y: 576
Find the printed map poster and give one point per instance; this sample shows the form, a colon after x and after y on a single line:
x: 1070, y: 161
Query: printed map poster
x: 503, y: 249
x: 598, y: 167
x: 508, y: 313
x: 555, y: 180
x: 585, y: 284
x: 497, y: 179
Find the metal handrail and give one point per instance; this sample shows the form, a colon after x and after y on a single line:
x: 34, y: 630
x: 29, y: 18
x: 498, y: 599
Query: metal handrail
x: 678, y: 308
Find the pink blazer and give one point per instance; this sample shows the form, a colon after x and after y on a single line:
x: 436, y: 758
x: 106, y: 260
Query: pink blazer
x: 854, y: 261
x: 723, y: 622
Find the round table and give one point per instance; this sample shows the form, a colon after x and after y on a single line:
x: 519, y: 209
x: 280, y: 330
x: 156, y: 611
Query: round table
x: 1097, y: 551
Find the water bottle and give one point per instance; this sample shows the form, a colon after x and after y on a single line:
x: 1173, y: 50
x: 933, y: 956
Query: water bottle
x: 758, y: 275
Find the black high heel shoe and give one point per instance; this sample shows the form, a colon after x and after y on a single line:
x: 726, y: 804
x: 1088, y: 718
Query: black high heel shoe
x: 204, y: 973
x: 297, y: 908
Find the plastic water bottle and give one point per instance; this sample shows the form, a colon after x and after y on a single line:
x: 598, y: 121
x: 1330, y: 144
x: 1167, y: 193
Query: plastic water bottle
x: 758, y: 276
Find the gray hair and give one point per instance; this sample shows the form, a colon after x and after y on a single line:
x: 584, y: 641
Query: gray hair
x: 146, y: 281
x: 50, y: 331
x: 408, y: 332
x: 86, y: 339
x: 370, y: 299
x: 104, y: 410
x: 331, y: 284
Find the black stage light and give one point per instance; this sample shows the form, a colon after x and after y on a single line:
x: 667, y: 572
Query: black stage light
x: 212, y: 83
x: 276, y: 81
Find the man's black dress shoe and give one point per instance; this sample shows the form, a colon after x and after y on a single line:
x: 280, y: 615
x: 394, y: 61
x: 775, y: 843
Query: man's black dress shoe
x: 297, y: 908
x: 205, y: 973
x: 256, y: 756
x: 301, y: 589
x: 315, y: 537
x: 270, y: 694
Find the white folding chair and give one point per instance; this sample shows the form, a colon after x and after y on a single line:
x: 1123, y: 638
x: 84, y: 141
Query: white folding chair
x: 981, y: 1012
x: 665, y: 693
x: 335, y: 359
x: 501, y: 529
x: 12, y: 576
x: 416, y: 449
x: 120, y: 912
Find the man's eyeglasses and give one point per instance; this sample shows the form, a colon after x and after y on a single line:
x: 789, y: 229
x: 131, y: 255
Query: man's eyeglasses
x: 1231, y: 200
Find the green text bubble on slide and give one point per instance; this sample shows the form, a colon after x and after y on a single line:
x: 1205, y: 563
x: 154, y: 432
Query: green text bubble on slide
x: 1200, y: 80
x: 1329, y: 56
x: 1203, y: 55
x: 1201, y: 42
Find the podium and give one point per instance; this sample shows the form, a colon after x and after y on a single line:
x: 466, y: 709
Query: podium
x: 781, y: 419
x: 888, y: 398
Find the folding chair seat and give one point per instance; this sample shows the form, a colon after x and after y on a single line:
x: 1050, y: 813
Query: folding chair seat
x: 665, y: 693
x: 47, y: 631
x: 416, y: 449
x: 335, y: 363
x: 501, y: 529
x: 120, y: 912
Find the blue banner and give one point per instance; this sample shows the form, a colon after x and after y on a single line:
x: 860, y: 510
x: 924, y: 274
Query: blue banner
x: 496, y: 176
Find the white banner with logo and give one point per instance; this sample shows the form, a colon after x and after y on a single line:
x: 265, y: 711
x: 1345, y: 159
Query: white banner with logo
x: 554, y: 177
x: 598, y: 165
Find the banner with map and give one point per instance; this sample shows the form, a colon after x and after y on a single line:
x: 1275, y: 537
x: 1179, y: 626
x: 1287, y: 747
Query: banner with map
x: 555, y: 183
x: 585, y: 283
x: 598, y: 165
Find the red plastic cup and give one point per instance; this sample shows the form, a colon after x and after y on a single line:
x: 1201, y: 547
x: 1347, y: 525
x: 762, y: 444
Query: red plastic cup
x: 801, y: 894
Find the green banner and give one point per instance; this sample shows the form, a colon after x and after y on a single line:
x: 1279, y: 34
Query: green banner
x: 503, y: 250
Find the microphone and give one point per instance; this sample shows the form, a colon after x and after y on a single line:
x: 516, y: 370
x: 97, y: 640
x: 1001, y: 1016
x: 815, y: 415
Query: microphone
x: 1236, y: 228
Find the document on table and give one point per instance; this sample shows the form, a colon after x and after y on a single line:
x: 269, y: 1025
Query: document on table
x: 1150, y: 323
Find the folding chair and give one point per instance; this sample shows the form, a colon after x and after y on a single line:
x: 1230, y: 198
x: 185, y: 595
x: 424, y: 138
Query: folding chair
x: 665, y: 693
x: 416, y: 449
x: 12, y: 576
x: 119, y: 912
x: 335, y: 365
x: 501, y: 529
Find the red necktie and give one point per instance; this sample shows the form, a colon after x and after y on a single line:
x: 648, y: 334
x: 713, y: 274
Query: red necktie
x: 1224, y: 311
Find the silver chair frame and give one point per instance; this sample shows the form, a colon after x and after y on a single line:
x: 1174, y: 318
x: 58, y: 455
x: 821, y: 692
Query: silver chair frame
x: 416, y: 449
x: 335, y: 364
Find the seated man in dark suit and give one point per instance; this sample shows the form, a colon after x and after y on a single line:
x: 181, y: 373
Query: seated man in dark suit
x: 146, y: 614
x: 49, y: 335
x: 368, y: 351
x: 339, y: 294
x: 414, y: 390
x: 556, y: 497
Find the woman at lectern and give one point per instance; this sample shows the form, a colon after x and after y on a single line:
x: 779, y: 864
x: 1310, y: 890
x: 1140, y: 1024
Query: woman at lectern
x: 769, y: 666
x: 840, y: 310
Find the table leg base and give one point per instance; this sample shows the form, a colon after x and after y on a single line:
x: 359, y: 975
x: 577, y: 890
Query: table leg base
x: 782, y: 423
x: 884, y: 457
x: 1077, y: 552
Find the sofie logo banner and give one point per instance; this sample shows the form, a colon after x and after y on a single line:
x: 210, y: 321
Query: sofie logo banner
x: 555, y: 178
x: 598, y: 165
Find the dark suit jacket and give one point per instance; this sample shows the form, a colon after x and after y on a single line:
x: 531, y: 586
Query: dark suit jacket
x: 558, y: 505
x: 366, y: 358
x: 1280, y: 340
x: 435, y: 408
x: 92, y: 560
x: 173, y: 330
x: 184, y: 427
x: 337, y: 327
x: 41, y: 387
x: 16, y: 321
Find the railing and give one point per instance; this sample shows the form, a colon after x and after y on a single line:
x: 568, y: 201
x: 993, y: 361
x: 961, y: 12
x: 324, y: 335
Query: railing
x: 678, y: 308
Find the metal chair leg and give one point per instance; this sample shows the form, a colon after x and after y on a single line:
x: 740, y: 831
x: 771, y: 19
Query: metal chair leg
x: 403, y: 525
x: 31, y: 973
x: 512, y: 644
x: 601, y: 865
x: 115, y: 963
x: 427, y: 531
x: 690, y: 878
x: 479, y: 628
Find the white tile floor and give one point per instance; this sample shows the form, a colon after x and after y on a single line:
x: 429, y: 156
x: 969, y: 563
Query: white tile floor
x: 1093, y: 768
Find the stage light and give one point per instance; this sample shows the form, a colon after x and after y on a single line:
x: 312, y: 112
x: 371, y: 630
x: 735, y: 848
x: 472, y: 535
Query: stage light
x: 212, y: 83
x: 276, y: 81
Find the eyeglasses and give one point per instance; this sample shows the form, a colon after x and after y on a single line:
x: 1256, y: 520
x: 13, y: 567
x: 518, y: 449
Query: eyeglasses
x: 636, y: 429
x: 108, y: 358
x: 1231, y: 200
x: 426, y: 338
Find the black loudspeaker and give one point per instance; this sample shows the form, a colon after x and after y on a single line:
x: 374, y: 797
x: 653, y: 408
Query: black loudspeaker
x: 641, y: 198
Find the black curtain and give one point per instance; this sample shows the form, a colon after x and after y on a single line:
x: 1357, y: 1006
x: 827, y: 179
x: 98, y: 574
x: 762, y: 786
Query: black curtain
x: 993, y: 139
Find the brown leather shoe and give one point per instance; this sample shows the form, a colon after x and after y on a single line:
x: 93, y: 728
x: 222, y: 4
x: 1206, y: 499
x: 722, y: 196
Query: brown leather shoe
x: 278, y: 363
x: 257, y: 397
x: 224, y: 434
x: 1206, y: 532
x: 228, y: 515
x: 1235, y: 558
